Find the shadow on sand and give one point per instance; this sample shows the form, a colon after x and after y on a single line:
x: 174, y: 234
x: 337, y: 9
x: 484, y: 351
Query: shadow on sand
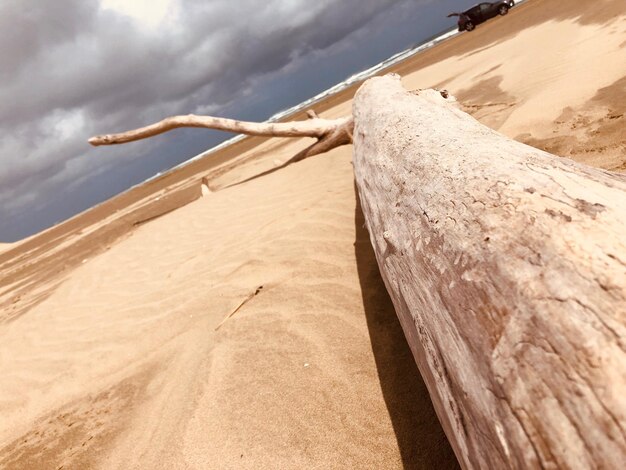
x: 421, y: 440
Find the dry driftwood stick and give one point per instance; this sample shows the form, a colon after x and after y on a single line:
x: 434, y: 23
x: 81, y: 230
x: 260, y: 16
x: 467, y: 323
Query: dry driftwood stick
x: 507, y: 268
x: 314, y: 127
x: 330, y: 133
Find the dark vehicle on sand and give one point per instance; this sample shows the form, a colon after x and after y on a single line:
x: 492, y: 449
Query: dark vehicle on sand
x: 481, y: 13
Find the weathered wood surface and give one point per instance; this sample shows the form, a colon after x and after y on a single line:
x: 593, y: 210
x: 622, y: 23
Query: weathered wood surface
x: 507, y: 268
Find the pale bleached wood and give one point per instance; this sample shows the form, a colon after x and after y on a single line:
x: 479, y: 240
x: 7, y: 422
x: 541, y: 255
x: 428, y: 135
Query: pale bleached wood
x: 330, y: 133
x: 313, y: 127
x: 506, y: 266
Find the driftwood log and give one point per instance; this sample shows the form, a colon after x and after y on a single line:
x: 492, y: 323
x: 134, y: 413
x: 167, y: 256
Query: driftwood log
x: 507, y: 268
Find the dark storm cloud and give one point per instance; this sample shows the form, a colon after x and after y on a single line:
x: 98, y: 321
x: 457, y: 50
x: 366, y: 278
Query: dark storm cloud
x: 70, y: 69
x: 27, y: 28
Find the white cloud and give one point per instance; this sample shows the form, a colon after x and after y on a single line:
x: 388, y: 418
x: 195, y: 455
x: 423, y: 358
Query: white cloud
x: 65, y: 124
x: 147, y: 13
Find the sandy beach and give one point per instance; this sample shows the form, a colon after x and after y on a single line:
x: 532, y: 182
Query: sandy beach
x: 248, y: 327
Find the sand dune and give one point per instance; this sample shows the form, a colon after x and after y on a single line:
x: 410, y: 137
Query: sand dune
x: 109, y: 351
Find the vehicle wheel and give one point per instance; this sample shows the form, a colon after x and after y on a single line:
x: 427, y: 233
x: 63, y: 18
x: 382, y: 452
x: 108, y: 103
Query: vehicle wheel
x: 469, y: 26
x: 503, y: 10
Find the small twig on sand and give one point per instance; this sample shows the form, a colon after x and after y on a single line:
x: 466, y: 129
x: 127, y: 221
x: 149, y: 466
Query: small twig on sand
x: 241, y: 304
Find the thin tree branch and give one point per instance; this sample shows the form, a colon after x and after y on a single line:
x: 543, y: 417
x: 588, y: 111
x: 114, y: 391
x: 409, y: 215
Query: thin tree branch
x: 314, y: 127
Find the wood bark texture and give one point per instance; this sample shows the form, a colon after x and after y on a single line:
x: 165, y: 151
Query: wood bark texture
x: 507, y: 268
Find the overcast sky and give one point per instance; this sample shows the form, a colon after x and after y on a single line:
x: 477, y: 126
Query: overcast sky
x: 70, y: 69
